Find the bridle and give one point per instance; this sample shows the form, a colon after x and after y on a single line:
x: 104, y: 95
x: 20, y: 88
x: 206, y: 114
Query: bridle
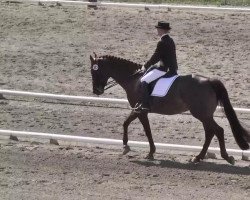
x: 110, y: 84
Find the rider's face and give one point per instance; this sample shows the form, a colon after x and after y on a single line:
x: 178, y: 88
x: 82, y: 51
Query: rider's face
x: 160, y: 32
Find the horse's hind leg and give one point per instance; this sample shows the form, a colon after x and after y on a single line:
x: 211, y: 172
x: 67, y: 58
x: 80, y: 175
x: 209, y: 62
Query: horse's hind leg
x: 209, y: 134
x: 219, y: 132
x: 211, y: 129
x: 129, y: 119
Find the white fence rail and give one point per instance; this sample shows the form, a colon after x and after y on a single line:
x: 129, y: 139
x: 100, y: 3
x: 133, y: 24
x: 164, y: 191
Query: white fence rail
x: 142, y: 5
x: 63, y: 97
x: 80, y: 98
x: 116, y: 142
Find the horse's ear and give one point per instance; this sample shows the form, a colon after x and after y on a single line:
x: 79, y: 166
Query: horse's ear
x: 95, y: 55
x: 91, y: 59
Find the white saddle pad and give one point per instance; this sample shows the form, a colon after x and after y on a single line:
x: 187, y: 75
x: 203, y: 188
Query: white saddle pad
x: 162, y: 86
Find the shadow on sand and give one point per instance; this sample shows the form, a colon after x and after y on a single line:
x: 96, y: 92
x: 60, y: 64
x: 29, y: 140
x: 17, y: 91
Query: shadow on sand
x: 202, y: 166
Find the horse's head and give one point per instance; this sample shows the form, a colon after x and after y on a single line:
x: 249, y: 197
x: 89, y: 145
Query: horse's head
x: 99, y: 75
x: 104, y: 67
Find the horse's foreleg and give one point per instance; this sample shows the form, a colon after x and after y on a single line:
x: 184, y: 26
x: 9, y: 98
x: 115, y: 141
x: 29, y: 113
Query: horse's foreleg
x: 144, y: 120
x: 129, y: 119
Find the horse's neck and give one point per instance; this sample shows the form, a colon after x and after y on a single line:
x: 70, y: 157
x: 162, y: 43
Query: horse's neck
x: 130, y: 83
x: 123, y: 72
x: 125, y: 80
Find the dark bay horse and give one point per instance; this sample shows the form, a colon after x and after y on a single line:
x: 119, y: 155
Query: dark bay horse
x: 197, y: 94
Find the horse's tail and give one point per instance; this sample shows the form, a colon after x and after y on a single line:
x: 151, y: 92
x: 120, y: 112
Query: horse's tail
x: 241, y: 135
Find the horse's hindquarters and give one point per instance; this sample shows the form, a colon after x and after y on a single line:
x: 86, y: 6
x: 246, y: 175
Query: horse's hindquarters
x: 199, y: 96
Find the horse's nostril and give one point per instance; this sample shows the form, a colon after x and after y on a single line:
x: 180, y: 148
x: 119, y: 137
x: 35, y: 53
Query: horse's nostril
x: 98, y: 90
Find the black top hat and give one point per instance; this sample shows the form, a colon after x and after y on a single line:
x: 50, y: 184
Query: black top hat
x: 163, y: 25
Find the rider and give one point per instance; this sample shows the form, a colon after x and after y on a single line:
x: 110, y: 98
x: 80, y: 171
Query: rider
x: 165, y: 54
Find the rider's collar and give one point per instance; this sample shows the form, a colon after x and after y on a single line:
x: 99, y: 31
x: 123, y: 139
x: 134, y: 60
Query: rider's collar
x: 164, y: 35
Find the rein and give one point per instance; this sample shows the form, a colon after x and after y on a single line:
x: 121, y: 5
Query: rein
x: 113, y: 83
x: 110, y: 84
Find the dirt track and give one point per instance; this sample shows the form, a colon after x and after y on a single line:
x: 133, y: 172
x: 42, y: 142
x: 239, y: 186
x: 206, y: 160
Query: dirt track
x: 46, y: 49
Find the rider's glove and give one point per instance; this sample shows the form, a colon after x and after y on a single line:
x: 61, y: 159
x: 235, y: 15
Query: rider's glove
x: 143, y: 68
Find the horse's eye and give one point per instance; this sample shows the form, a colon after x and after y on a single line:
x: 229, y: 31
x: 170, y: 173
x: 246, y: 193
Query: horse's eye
x: 95, y: 67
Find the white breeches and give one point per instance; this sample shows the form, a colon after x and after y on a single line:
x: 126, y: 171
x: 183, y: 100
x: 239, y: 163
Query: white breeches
x: 152, y: 75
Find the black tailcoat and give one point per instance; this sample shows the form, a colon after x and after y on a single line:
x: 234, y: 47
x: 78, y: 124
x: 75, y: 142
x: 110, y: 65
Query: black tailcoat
x: 166, y: 53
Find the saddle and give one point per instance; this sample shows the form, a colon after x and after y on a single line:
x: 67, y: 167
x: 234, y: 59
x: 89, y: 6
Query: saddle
x: 161, y: 86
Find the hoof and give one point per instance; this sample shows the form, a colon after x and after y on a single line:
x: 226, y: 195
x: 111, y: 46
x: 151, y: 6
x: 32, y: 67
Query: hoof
x: 126, y: 149
x: 2, y: 97
x: 12, y: 137
x: 231, y: 160
x: 194, y: 160
x: 149, y: 157
x: 53, y: 141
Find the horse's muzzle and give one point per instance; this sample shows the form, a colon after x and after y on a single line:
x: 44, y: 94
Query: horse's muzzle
x: 98, y: 90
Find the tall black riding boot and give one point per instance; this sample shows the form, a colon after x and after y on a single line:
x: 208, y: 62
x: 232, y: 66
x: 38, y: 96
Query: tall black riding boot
x: 145, y: 96
x: 144, y: 106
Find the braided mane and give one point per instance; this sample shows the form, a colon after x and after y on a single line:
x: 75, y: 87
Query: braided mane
x: 121, y: 62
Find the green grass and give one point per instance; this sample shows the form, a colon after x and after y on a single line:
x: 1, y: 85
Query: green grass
x: 200, y: 2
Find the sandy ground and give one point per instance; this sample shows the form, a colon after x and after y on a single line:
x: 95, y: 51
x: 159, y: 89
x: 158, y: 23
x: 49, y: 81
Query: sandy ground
x: 46, y: 49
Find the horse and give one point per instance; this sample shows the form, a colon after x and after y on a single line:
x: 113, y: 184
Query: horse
x: 197, y: 94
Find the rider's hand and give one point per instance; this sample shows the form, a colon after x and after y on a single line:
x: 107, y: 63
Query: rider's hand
x: 143, y: 68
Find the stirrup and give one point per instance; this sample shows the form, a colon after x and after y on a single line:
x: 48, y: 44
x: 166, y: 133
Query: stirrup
x: 140, y: 109
x: 137, y: 106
